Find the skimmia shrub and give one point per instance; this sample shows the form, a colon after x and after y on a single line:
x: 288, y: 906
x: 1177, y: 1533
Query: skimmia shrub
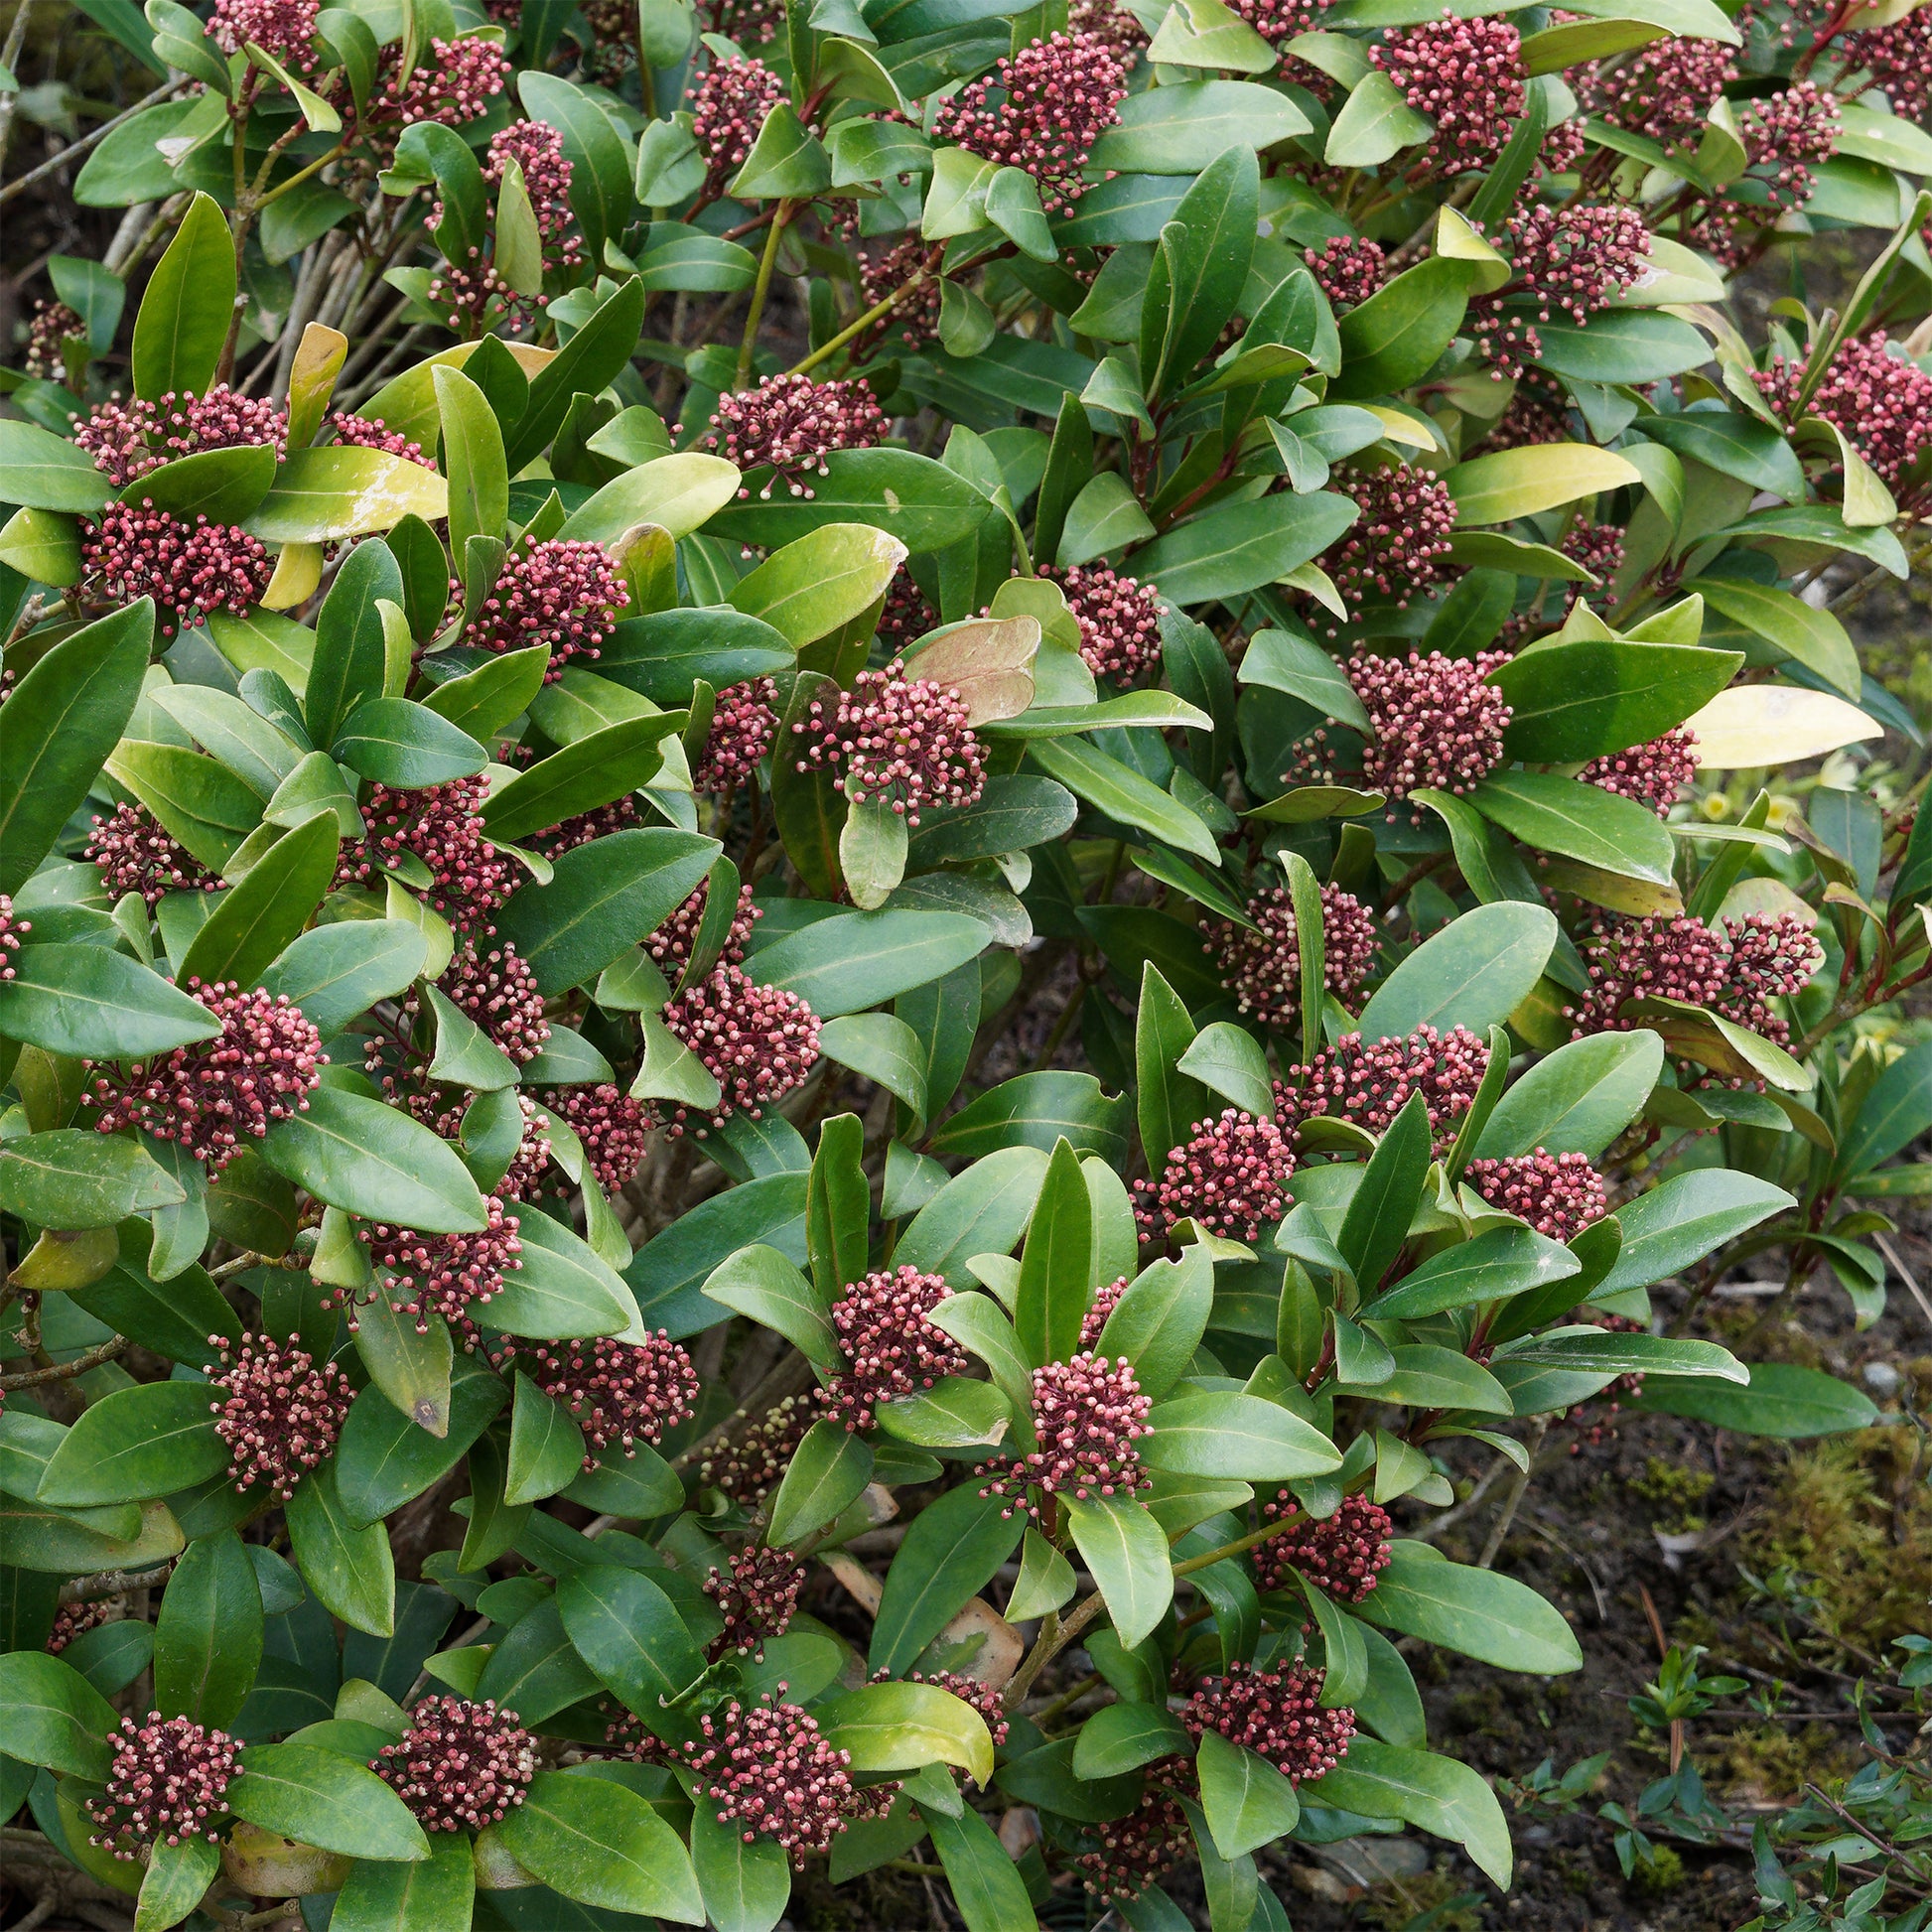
x: 854, y: 870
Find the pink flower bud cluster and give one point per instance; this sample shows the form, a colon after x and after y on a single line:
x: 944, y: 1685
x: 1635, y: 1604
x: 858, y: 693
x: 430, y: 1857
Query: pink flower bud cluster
x: 52, y: 327
x: 283, y: 28
x: 729, y: 106
x: 741, y: 730
x: 1558, y: 1194
x: 750, y: 23
x: 1437, y: 724
x: 908, y: 613
x: 282, y: 1414
x: 1277, y: 1714
x: 1665, y: 90
x: 459, y: 1763
x: 134, y: 854
x: 167, y: 1783
x: 1263, y: 970
x: 442, y: 825
x: 1370, y: 1083
x: 1106, y: 1299
x: 189, y: 569
x: 1598, y: 547
x: 523, y: 1178
x: 1737, y: 972
x: 73, y: 1621
x: 538, y: 149
x: 11, y: 933
x: 1349, y: 268
x: 793, y: 424
x: 128, y: 439
x: 759, y: 1042
x: 1131, y: 1853
x: 1343, y: 1554
x: 769, y: 1771
x: 211, y: 1094
x: 1119, y: 619
x: 1110, y: 23
x: 756, y: 1596
x: 1783, y: 134
x: 562, y: 594
x: 1899, y: 58
x: 1277, y: 21
x: 897, y: 736
x: 749, y: 1469
x: 670, y: 945
x: 1040, y: 112
x: 1466, y: 75
x: 914, y: 316
x: 1881, y: 400
x: 889, y: 1347
x: 367, y: 432
x: 611, y: 1125
x: 1396, y: 547
x: 1227, y: 1177
x: 453, y: 82
x: 1570, y: 260
x: 498, y: 992
x: 968, y: 1690
x: 1654, y: 774
x: 443, y: 1274
x: 618, y: 1392
x: 1088, y: 1413
x: 1538, y: 412
x: 620, y: 816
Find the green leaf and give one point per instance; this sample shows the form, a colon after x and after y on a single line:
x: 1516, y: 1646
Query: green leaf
x: 1123, y: 794
x: 1376, y: 1224
x: 954, y: 1413
x: 397, y: 743
x: 818, y: 584
x: 746, y: 1887
x: 1684, y: 1219
x: 350, y: 652
x: 482, y: 702
x: 1478, y: 1612
x: 1120, y: 1737
x: 207, y: 1640
x: 761, y: 1282
x: 1619, y: 345
x: 325, y: 1800
x: 183, y: 321
x: 1781, y: 1400
x: 902, y: 1727
x: 854, y: 960
x: 603, y: 1845
x: 1592, y: 696
x: 1237, y: 547
x: 1055, y: 1266
x: 1180, y: 128
x: 983, y: 1210
x: 986, y: 1884
x: 909, y: 497
x: 1159, y: 1318
x: 1452, y: 1800
x: 1223, y: 1434
x: 341, y: 491
x: 436, y: 1895
x: 369, y: 1160
x: 1301, y: 668
x: 1475, y: 973
x: 546, y: 1446
x: 1594, y: 1350
x: 335, y: 972
x: 1503, y: 1261
x: 1896, y: 1111
x: 1199, y: 269
x: 679, y: 493
x: 50, y: 1715
x: 1577, y: 1100
x: 348, y: 1566
x: 1394, y: 338
x: 1582, y: 822
x: 1510, y: 483
x: 224, y: 486
x: 71, y: 1179
x: 1126, y: 1551
x: 1247, y: 1802
x: 628, y: 1631
x: 252, y: 922
x: 1734, y: 444
x: 45, y: 471
x: 386, y: 1456
x: 882, y: 1047
x: 175, y: 1883
x: 148, y: 1439
x: 1374, y: 125
x: 951, y: 1550
x: 88, y: 1000
x: 64, y: 717
x: 563, y: 1288
x: 828, y: 1470
x: 1796, y: 629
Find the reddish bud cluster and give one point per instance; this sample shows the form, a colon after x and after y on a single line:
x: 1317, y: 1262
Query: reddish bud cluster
x: 618, y: 1392
x: 1537, y: 412
x: 1140, y: 1850
x: 284, y: 27
x: 1783, y: 134
x: 1343, y: 1554
x: 1088, y: 1414
x: 453, y: 82
x: 189, y: 569
x: 1466, y: 75
x: 561, y: 593
x: 1370, y: 1083
x: 367, y: 432
x: 749, y: 1469
x: 755, y: 1596
x: 1277, y: 21
x: 443, y: 826
x: 889, y: 1347
x: 1106, y: 1299
x: 611, y: 1125
x: 444, y: 1274
x: 1735, y: 972
x: 968, y: 1690
x: 1349, y: 268
x: 1397, y: 545
x: 1040, y: 112
x: 1598, y: 547
x: 1654, y: 774
x: 741, y: 730
x: 620, y: 816
x: 52, y: 327
x: 498, y: 992
x: 459, y: 1763
x: 915, y: 315
x: 1277, y: 1714
x: 1665, y: 90
x: 128, y: 439
x: 283, y: 1411
x: 1881, y: 400
x: 1570, y: 260
x: 750, y: 23
x: 207, y: 1095
x: 728, y: 108
x: 793, y: 424
x: 11, y: 933
x: 1898, y: 57
x: 167, y: 1783
x: 1263, y: 969
x: 135, y: 854
x: 1227, y: 1177
x: 1558, y: 1194
x: 538, y: 150
x: 1119, y: 619
x: 73, y: 1621
x: 768, y: 1771
x: 758, y: 1042
x: 900, y: 738
x: 670, y: 945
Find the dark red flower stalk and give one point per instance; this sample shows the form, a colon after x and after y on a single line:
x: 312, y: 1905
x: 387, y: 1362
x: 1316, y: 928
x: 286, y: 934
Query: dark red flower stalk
x: 365, y: 433
x: 538, y: 150
x: 749, y: 1469
x: 1397, y: 545
x: 453, y: 82
x: 1737, y: 972
x: 1665, y: 90
x: 1881, y: 400
x: 561, y: 593
x: 1106, y: 1299
x: 283, y: 1411
x: 618, y: 1392
x: 1570, y: 260
x: 1140, y: 1850
x: 12, y: 930
x: 670, y: 945
x: 891, y: 1348
x: 1263, y: 970
x: 443, y: 1274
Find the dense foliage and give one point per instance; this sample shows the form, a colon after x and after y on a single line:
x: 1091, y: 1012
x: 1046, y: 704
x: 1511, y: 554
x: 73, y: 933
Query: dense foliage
x: 911, y: 780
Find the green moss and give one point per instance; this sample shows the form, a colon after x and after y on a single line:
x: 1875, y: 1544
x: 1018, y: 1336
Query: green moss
x: 1436, y: 1895
x: 1673, y: 1492
x: 1663, y: 1871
